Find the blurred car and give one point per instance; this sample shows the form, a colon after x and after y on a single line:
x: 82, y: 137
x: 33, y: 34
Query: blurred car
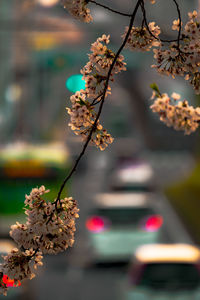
x: 132, y: 175
x: 23, y: 167
x: 165, y: 271
x: 119, y: 223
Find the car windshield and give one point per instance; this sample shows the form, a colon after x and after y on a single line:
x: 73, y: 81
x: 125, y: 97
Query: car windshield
x: 128, y: 215
x: 170, y: 276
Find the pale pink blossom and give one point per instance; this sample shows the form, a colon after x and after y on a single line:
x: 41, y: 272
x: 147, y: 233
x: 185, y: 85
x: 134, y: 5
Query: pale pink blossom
x: 78, y: 9
x: 175, y: 96
x: 180, y: 116
x: 82, y: 112
x: 176, y: 25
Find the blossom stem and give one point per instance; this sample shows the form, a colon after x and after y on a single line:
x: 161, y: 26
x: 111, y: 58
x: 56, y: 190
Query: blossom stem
x: 33, y: 255
x: 110, y: 9
x: 101, y: 103
x: 94, y: 101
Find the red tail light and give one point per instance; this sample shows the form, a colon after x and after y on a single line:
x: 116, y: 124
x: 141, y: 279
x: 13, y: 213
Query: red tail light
x: 153, y: 223
x: 96, y: 224
x: 10, y: 282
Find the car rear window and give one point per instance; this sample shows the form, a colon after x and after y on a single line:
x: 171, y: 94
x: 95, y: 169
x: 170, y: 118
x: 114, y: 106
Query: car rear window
x: 127, y: 187
x: 127, y: 215
x: 170, y: 276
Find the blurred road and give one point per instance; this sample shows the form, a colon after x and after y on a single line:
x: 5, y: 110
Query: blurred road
x: 71, y: 275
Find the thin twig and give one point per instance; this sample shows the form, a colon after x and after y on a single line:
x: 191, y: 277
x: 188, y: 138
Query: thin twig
x: 179, y: 16
x: 93, y: 102
x: 110, y: 9
x: 150, y: 32
x: 101, y: 104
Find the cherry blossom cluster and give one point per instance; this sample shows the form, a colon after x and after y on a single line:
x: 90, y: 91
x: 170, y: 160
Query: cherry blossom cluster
x: 6, y: 282
x: 78, y: 9
x: 182, y: 58
x: 82, y: 119
x: 49, y: 229
x: 82, y: 113
x: 19, y: 265
x: 140, y: 39
x: 175, y: 113
x: 96, y: 70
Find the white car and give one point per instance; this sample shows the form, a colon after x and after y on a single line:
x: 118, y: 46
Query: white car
x: 164, y: 271
x: 132, y: 175
x: 120, y: 222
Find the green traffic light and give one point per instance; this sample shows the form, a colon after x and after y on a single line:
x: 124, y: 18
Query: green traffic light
x: 75, y: 83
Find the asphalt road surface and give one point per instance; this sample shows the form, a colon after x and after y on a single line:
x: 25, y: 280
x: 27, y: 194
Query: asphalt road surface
x: 72, y: 275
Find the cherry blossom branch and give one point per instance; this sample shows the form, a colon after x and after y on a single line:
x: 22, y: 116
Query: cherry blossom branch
x: 151, y: 33
x: 110, y: 9
x: 101, y: 102
x: 50, y: 226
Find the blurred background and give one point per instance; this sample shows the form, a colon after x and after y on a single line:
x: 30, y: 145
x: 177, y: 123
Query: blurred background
x: 144, y: 189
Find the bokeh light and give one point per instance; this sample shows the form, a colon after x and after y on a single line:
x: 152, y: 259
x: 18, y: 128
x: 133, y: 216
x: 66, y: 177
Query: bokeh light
x: 75, y: 83
x: 154, y: 223
x: 13, y: 93
x: 48, y: 2
x: 95, y: 224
